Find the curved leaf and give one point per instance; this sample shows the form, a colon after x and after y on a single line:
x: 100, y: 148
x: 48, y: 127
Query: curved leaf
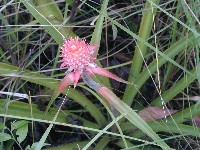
x: 12, y: 71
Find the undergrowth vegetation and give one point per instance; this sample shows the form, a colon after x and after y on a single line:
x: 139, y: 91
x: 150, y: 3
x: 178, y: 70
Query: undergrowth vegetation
x: 152, y: 45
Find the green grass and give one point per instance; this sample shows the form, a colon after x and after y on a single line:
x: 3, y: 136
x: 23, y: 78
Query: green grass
x: 152, y: 45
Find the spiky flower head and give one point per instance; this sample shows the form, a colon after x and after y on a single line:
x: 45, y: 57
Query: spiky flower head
x: 76, y: 55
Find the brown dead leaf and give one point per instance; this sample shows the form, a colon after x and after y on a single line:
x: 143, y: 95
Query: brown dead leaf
x: 196, y: 121
x: 155, y: 113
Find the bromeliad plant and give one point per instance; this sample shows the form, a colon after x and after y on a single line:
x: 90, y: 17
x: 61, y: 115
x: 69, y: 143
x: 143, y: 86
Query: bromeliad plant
x: 79, y: 58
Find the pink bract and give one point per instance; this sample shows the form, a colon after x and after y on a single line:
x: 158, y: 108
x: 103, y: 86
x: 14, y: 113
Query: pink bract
x: 77, y: 57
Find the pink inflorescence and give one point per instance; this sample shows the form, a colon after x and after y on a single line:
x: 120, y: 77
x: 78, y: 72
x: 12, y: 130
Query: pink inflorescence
x: 76, y: 55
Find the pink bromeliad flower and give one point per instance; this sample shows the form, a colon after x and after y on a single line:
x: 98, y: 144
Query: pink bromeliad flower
x: 77, y: 57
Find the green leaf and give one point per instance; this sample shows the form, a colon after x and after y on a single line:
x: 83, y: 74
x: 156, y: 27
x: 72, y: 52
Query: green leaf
x: 22, y: 133
x: 22, y: 129
x: 131, y: 115
x: 176, y: 88
x: 96, y: 38
x: 21, y: 110
x: 195, y: 32
x: 19, y: 124
x: 34, y: 145
x: 49, y: 19
x: 5, y: 137
x: 141, y: 48
x: 8, y: 70
x: 2, y: 126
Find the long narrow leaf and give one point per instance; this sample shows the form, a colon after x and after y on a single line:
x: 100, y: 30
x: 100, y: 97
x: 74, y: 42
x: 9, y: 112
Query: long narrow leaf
x: 12, y: 71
